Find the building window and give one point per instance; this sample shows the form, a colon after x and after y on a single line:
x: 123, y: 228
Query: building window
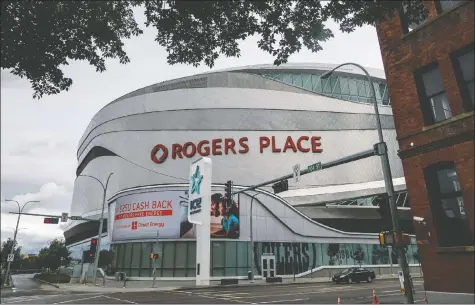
x: 447, y: 206
x: 406, y: 26
x: 463, y: 61
x: 434, y: 103
x: 443, y: 6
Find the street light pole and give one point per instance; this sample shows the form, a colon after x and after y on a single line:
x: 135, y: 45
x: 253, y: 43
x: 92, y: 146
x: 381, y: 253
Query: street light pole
x: 101, y: 221
x: 20, y: 210
x: 155, y: 263
x: 388, y: 181
x: 252, y: 239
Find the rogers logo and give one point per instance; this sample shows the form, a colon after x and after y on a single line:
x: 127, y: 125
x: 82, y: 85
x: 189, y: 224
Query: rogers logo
x: 134, y: 225
x: 163, y: 150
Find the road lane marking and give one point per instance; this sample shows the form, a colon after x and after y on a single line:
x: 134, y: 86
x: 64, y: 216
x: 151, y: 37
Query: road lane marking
x: 22, y: 300
x: 122, y: 300
x: 310, y: 292
x: 283, y: 301
x: 69, y: 301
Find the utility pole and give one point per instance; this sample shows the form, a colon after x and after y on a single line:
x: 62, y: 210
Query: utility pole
x: 155, y: 263
x: 20, y: 210
x: 252, y: 239
x: 388, y: 181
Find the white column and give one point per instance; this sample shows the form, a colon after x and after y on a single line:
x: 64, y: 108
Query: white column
x: 199, y: 210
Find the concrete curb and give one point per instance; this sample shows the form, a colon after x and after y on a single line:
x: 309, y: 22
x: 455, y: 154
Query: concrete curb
x: 45, y: 282
x: 263, y: 283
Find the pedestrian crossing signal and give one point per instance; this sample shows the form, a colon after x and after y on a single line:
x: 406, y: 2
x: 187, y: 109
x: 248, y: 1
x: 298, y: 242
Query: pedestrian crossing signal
x: 153, y: 256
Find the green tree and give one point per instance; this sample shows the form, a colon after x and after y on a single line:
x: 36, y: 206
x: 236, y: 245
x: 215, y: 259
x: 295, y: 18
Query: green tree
x: 55, y: 255
x: 40, y: 36
x: 5, y: 250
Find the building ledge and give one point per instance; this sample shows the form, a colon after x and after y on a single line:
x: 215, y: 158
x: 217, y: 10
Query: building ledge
x: 448, y: 121
x: 456, y: 249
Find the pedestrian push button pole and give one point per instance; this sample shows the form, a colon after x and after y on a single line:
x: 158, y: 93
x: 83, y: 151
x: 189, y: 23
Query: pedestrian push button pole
x: 394, y: 239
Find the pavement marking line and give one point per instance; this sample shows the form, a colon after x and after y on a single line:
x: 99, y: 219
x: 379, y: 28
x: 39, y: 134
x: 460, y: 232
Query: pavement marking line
x: 122, y: 300
x: 284, y: 301
x: 23, y: 300
x: 310, y: 292
x: 20, y: 298
x: 222, y: 299
x: 69, y: 301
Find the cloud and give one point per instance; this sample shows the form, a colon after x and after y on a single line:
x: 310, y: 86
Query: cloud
x: 34, y: 234
x: 37, y: 160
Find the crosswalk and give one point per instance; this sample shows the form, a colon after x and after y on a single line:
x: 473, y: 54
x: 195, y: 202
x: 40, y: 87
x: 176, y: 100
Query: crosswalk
x: 22, y: 299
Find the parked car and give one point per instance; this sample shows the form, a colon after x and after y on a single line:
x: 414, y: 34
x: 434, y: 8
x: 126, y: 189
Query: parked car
x: 355, y: 274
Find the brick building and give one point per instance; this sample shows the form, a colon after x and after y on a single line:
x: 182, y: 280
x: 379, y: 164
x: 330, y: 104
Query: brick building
x: 430, y: 75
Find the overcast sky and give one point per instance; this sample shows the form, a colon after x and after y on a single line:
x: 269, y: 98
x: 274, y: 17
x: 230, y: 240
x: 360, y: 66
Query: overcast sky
x: 39, y: 137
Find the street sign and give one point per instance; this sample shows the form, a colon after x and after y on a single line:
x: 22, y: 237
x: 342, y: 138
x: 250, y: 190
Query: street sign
x: 75, y: 218
x: 315, y: 167
x: 64, y: 217
x: 10, y: 257
x: 296, y: 171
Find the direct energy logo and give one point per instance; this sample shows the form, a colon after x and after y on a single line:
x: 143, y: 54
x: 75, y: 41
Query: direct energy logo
x: 134, y: 225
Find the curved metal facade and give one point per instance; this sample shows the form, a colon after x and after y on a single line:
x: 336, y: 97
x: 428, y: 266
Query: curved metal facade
x: 236, y: 104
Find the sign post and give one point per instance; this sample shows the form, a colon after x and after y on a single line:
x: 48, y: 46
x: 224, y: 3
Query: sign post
x: 199, y: 213
x: 296, y: 170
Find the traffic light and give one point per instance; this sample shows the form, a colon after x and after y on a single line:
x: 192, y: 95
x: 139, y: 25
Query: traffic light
x: 93, y: 247
x: 281, y: 186
x: 228, y: 190
x: 385, y: 212
x: 51, y: 220
x: 389, y: 238
x: 153, y: 256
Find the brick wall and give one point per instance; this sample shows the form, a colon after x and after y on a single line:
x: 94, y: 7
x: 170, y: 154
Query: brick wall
x: 450, y: 270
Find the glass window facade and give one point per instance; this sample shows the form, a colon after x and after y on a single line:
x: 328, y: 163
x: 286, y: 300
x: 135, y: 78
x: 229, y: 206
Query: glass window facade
x: 354, y: 89
x: 235, y: 258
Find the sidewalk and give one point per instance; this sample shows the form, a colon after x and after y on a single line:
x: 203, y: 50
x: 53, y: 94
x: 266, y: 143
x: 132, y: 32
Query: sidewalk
x: 161, y: 285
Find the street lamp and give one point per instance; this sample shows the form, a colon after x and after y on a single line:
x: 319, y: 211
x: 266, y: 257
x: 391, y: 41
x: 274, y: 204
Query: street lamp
x: 20, y: 210
x: 101, y: 221
x: 388, y: 181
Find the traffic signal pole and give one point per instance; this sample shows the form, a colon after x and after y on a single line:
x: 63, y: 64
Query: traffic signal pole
x: 388, y: 181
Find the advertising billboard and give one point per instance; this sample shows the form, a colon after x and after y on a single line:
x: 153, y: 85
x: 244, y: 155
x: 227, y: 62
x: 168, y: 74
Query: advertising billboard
x: 139, y: 216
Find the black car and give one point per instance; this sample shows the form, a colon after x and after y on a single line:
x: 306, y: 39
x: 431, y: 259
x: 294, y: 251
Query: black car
x: 355, y: 274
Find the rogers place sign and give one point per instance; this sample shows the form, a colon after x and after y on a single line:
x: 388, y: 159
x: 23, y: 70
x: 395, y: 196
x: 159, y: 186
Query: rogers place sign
x: 226, y: 146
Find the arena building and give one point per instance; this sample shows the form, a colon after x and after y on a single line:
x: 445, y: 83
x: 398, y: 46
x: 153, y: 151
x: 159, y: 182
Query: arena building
x: 255, y: 123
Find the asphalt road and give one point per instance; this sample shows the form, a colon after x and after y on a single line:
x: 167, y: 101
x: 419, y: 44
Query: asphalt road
x: 26, y: 288
x: 387, y: 292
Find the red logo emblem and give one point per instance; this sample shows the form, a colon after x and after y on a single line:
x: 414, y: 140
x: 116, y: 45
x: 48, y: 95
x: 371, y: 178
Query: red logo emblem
x: 134, y: 225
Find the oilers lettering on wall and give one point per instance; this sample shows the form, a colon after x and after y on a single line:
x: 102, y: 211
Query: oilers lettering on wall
x: 288, y: 256
x: 226, y: 146
x: 195, y: 181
